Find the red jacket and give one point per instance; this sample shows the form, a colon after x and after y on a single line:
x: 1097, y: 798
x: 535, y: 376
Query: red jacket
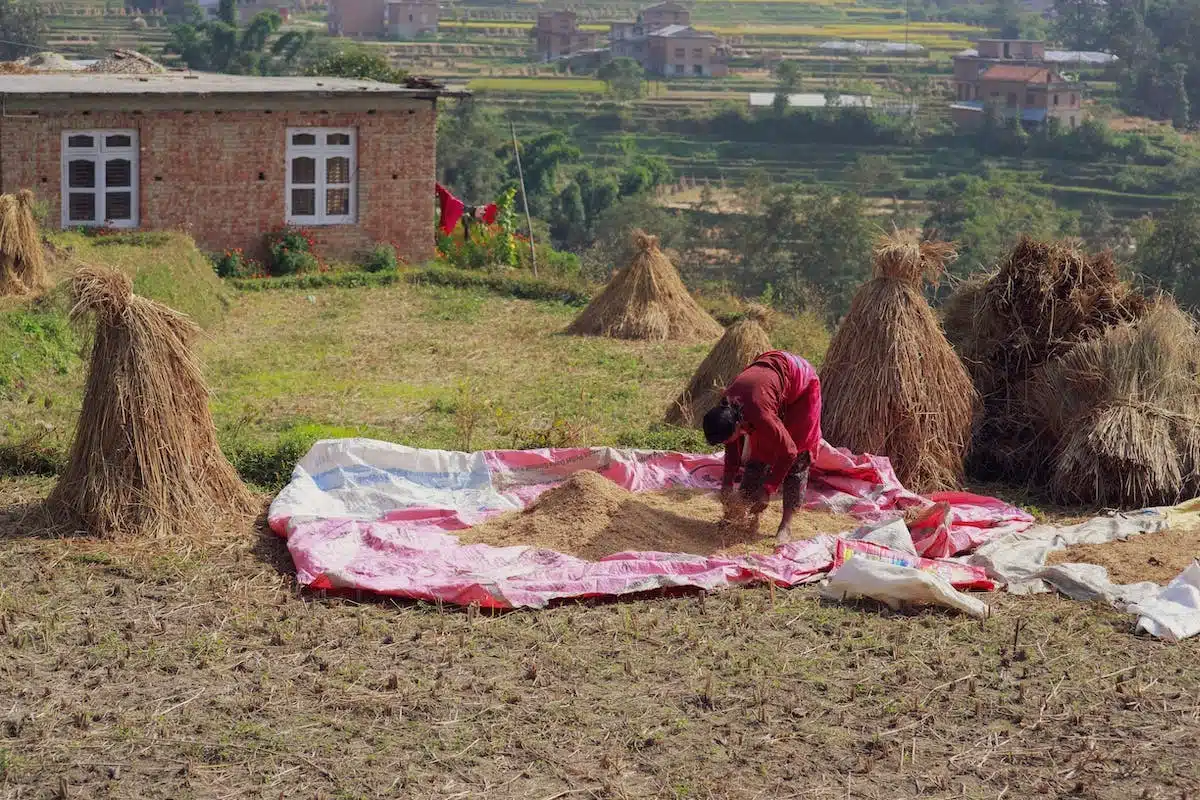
x: 780, y: 396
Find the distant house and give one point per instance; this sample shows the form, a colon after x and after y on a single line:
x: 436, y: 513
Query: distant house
x: 1012, y: 78
x: 227, y: 157
x: 558, y: 34
x: 379, y: 19
x: 664, y: 43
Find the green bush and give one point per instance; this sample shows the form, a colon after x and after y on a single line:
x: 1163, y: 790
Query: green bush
x: 382, y: 259
x: 235, y: 264
x: 293, y: 251
x: 133, y: 239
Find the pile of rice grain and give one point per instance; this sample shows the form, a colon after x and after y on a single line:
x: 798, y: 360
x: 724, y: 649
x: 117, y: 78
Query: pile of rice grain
x: 589, y: 516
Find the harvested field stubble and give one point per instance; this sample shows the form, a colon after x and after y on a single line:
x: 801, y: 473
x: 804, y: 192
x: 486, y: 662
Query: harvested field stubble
x: 203, y: 673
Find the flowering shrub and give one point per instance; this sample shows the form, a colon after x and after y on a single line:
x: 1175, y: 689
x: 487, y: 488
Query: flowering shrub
x: 235, y: 264
x: 293, y: 251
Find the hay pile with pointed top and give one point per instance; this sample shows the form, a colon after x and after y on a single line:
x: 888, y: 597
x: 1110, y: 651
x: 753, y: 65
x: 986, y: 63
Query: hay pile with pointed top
x: 1119, y: 416
x: 646, y: 300
x: 891, y: 384
x: 742, y: 342
x: 1043, y: 300
x: 145, y: 460
x: 22, y: 262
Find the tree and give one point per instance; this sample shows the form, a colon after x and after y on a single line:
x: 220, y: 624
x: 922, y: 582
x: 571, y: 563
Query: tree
x: 624, y: 78
x: 541, y: 159
x: 986, y: 216
x: 788, y: 79
x: 1080, y: 24
x: 22, y: 28
x: 357, y: 62
x: 1170, y: 255
x: 1182, y: 112
x: 473, y: 150
x: 219, y: 45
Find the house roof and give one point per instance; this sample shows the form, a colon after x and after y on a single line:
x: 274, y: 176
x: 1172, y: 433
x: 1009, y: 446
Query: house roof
x: 1011, y: 72
x: 682, y: 31
x: 208, y: 84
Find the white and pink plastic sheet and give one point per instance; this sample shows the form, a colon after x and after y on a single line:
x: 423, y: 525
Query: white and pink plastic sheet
x: 366, y: 515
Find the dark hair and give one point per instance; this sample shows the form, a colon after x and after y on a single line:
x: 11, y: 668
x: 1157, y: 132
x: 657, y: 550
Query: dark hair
x: 721, y: 422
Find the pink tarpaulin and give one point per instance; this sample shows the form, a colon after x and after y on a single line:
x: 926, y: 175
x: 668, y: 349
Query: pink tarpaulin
x: 379, y: 517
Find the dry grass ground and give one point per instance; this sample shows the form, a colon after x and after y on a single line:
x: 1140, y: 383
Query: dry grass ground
x: 202, y: 673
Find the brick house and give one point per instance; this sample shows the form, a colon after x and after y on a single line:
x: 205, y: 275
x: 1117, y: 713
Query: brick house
x: 679, y: 50
x: 1032, y: 94
x: 411, y: 19
x: 664, y: 14
x: 227, y: 158
x: 1012, y: 78
x: 664, y: 43
x: 558, y: 34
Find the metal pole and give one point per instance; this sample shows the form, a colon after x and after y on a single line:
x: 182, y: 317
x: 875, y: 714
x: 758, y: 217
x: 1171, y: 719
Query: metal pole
x: 524, y: 199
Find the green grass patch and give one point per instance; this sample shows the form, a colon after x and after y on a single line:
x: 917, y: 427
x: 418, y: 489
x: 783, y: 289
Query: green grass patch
x: 581, y: 85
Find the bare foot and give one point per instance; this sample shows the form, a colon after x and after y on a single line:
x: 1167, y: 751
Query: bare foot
x: 784, y: 535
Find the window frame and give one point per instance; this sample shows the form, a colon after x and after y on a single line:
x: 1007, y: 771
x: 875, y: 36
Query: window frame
x: 321, y: 152
x: 99, y: 154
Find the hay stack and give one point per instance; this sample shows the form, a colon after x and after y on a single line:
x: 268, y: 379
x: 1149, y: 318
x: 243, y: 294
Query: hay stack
x: 646, y: 300
x: 891, y: 383
x: 145, y: 460
x: 742, y: 342
x: 1044, y: 299
x: 22, y: 264
x: 1124, y: 413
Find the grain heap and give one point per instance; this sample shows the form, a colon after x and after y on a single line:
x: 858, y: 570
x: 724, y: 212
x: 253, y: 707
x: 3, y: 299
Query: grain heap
x: 891, y: 384
x: 145, y: 460
x: 589, y: 516
x: 646, y: 300
x: 742, y: 342
x: 1044, y: 299
x: 22, y: 261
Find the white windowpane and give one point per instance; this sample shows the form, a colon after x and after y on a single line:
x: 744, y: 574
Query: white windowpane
x: 337, y: 139
x: 81, y: 207
x: 304, y: 138
x: 118, y: 206
x: 118, y: 172
x: 304, y: 202
x: 81, y: 140
x: 304, y: 170
x: 81, y: 174
x: 337, y: 170
x: 118, y: 140
x: 337, y: 202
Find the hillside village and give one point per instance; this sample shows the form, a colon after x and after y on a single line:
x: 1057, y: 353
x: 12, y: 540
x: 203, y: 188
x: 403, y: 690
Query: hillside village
x: 406, y: 398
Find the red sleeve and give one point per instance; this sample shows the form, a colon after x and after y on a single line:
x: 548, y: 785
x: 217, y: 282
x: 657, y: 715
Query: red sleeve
x: 733, y: 459
x: 771, y: 443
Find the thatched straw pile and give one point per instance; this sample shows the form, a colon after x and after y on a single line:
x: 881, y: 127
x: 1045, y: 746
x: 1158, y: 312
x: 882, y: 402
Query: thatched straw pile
x: 743, y: 341
x: 1044, y: 299
x: 1123, y: 413
x: 646, y: 300
x: 145, y: 460
x: 22, y: 263
x: 891, y: 384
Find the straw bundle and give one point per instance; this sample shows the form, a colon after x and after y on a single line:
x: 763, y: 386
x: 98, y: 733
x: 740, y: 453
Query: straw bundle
x: 1044, y: 299
x: 742, y: 342
x: 22, y: 265
x: 646, y: 300
x: 145, y: 459
x: 1124, y: 412
x: 891, y: 384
